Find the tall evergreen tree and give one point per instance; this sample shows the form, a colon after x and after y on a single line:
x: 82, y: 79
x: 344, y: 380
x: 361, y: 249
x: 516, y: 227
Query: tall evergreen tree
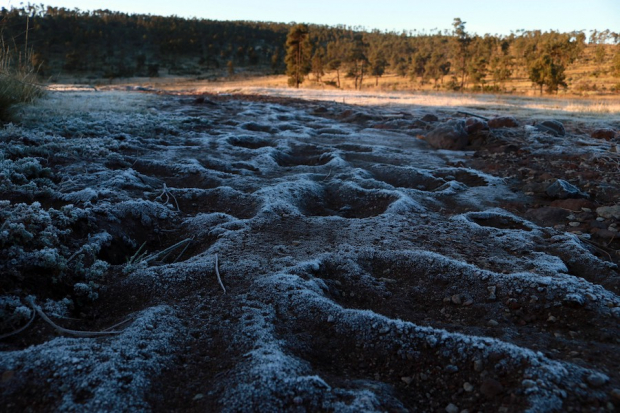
x: 318, y: 64
x: 461, y: 49
x: 298, y: 52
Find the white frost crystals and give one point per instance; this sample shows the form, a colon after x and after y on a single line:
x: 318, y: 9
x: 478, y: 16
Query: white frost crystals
x: 282, y: 257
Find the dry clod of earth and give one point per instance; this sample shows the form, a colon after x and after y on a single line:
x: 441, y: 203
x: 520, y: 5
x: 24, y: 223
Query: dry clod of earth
x: 304, y: 257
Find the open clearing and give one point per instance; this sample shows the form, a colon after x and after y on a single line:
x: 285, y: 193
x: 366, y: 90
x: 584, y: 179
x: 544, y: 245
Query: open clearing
x: 325, y: 257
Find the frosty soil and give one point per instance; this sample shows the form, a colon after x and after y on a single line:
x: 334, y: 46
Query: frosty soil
x: 359, y: 269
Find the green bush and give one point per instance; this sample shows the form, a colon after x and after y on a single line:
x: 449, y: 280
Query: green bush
x: 17, y: 80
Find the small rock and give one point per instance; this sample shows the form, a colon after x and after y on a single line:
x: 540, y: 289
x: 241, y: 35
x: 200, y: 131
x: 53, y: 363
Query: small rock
x: 198, y: 396
x: 407, y: 380
x: 429, y: 117
x: 609, y: 211
x: 615, y: 394
x: 604, y: 234
x: 468, y: 387
x: 330, y: 319
x: 450, y: 368
x: 574, y: 224
x: 478, y: 366
x: 513, y: 304
x: 561, y: 189
x: 553, y: 127
x: 492, y: 290
x: 492, y: 323
x: 473, y: 125
x: 384, y: 330
x: 456, y: 299
x: 547, y: 215
x: 298, y: 400
x: 552, y: 319
x: 528, y: 383
x: 597, y: 379
x: 503, y: 122
x: 450, y: 135
x: 603, y: 133
x: 452, y: 408
x: 491, y: 388
x: 574, y: 300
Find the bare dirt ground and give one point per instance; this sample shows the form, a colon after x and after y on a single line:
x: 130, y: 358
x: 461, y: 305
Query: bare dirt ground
x: 304, y: 256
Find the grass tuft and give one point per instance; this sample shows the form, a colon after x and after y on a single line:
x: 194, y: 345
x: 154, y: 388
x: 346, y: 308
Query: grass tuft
x: 18, y: 80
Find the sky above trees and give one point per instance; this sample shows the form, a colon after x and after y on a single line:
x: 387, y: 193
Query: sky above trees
x: 482, y: 16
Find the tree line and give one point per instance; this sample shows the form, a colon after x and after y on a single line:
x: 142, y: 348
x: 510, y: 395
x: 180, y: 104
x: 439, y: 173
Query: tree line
x: 450, y: 60
x: 113, y: 44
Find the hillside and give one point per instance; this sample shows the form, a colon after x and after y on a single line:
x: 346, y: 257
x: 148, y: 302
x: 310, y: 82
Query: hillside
x: 71, y: 46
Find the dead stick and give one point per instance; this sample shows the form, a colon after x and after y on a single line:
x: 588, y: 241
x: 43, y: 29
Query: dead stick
x: 83, y: 334
x: 217, y: 272
x: 474, y: 115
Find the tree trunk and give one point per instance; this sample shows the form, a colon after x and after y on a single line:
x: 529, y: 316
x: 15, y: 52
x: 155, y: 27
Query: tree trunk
x: 298, y: 66
x: 361, y: 75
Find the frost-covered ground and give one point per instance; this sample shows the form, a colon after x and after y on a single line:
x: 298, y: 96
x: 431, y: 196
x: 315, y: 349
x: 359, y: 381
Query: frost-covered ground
x: 268, y: 254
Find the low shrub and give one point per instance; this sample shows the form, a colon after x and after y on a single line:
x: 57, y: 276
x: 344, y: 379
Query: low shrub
x: 18, y: 80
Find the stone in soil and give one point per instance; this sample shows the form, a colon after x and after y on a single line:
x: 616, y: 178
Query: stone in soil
x: 603, y: 133
x: 597, y: 379
x: 609, y: 211
x: 552, y: 127
x: 491, y: 388
x: 561, y: 189
x: 450, y: 135
x: 504, y: 122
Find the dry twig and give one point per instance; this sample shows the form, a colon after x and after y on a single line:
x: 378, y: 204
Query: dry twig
x: 217, y: 272
x: 82, y: 334
x: 474, y: 115
x: 166, y: 193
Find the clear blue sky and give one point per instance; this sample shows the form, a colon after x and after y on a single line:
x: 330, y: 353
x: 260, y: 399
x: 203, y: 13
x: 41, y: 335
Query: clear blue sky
x: 482, y: 16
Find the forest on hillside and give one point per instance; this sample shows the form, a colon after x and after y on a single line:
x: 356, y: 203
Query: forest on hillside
x: 108, y: 44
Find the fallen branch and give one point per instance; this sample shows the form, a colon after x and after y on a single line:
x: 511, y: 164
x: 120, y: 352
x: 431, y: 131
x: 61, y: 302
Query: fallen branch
x: 82, y: 334
x: 19, y: 330
x: 217, y: 272
x: 474, y: 115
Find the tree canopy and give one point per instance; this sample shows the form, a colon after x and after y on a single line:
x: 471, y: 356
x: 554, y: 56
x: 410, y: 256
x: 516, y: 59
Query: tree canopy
x: 110, y: 44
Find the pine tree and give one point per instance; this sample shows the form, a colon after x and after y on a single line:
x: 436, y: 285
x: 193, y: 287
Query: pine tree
x: 298, y: 52
x: 461, y: 50
x: 318, y: 64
